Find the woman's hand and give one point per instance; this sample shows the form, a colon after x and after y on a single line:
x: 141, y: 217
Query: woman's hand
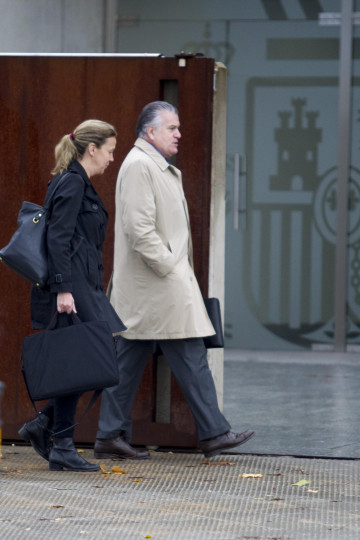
x: 65, y: 303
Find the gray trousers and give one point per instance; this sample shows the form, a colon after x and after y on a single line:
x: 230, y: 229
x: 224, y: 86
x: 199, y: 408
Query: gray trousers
x: 188, y: 362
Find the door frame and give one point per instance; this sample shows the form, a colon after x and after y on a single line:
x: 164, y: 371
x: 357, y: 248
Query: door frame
x: 341, y: 259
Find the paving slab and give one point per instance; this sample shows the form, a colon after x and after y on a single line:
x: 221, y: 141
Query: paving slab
x: 301, y: 404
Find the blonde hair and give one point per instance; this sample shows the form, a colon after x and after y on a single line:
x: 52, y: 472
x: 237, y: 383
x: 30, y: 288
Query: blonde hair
x: 73, y: 146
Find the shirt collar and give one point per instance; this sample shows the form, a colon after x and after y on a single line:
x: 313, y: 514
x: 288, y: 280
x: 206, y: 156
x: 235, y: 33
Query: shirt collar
x: 154, y: 153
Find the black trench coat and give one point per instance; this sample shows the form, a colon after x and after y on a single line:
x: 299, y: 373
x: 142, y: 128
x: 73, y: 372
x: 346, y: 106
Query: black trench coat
x: 75, y: 237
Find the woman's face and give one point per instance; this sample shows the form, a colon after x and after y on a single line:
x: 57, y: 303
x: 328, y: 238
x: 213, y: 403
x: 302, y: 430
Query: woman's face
x: 103, y: 156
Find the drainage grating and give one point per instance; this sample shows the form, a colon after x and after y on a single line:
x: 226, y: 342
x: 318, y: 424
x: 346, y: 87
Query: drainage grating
x: 181, y: 496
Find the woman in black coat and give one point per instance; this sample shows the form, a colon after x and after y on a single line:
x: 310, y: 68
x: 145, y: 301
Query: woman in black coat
x: 75, y: 236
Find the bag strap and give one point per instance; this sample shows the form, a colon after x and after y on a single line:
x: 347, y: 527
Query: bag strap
x: 59, y: 182
x: 28, y: 391
x: 71, y: 316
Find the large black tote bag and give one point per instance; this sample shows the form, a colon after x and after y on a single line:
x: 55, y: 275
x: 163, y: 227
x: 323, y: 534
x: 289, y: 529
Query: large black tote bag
x: 69, y: 360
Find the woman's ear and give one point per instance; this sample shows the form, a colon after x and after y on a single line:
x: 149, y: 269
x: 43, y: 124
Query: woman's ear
x: 91, y: 148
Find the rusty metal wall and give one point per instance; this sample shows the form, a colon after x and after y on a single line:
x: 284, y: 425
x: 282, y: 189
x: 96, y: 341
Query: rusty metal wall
x: 41, y: 99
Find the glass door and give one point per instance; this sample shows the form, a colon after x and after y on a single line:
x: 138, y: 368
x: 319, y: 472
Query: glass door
x: 353, y: 244
x: 282, y: 180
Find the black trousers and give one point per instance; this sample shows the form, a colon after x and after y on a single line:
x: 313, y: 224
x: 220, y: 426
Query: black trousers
x: 187, y: 360
x: 61, y: 412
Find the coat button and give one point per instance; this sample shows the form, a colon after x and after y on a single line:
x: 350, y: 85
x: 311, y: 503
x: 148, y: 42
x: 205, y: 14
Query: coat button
x: 94, y: 206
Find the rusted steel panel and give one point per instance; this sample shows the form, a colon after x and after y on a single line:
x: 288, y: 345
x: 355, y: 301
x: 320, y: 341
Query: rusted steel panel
x: 44, y: 97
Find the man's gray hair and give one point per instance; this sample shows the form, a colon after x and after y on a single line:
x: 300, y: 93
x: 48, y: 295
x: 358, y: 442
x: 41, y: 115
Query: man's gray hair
x: 150, y: 116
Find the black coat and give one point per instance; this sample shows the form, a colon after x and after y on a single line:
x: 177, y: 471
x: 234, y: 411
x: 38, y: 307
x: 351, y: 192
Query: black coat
x: 75, y: 236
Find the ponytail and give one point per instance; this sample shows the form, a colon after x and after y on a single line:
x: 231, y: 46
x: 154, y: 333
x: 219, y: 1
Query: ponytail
x: 73, y: 146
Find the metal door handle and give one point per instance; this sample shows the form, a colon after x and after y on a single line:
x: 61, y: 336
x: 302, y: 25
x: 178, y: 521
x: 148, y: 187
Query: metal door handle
x: 236, y: 190
x: 240, y: 195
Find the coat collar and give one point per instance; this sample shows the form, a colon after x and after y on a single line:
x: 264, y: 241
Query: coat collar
x: 77, y: 168
x: 155, y: 155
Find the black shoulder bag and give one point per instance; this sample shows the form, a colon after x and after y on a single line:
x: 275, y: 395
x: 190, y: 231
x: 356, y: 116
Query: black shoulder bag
x: 26, y: 253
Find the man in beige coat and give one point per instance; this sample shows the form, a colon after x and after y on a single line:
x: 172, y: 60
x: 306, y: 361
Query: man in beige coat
x: 155, y: 291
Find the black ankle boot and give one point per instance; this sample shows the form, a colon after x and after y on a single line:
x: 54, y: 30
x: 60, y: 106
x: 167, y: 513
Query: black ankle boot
x: 36, y: 431
x: 63, y: 455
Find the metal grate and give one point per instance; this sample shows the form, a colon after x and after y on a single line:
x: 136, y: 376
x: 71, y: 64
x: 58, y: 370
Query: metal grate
x: 177, y: 496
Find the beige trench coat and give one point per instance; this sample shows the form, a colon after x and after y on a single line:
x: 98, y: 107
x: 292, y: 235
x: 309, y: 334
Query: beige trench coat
x: 154, y: 289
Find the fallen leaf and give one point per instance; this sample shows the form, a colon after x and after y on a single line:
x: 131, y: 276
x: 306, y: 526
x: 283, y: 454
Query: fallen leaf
x: 81, y: 451
x: 117, y: 469
x: 301, y: 483
x: 57, y: 506
x: 312, y: 491
x: 251, y: 475
x: 134, y: 481
x: 147, y: 536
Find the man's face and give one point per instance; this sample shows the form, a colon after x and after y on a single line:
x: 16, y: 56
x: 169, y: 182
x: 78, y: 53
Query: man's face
x: 166, y: 137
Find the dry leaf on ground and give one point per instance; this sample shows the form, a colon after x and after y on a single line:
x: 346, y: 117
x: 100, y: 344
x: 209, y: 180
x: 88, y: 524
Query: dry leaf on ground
x: 117, y: 469
x: 301, y: 483
x: 251, y: 475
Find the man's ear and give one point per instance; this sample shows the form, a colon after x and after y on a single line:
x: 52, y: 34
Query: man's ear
x: 150, y: 130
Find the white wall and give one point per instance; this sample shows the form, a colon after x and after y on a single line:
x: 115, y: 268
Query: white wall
x: 55, y: 26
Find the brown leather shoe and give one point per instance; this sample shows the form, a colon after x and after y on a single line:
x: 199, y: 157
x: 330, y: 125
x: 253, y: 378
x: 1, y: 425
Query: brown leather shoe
x: 215, y: 446
x: 118, y: 448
